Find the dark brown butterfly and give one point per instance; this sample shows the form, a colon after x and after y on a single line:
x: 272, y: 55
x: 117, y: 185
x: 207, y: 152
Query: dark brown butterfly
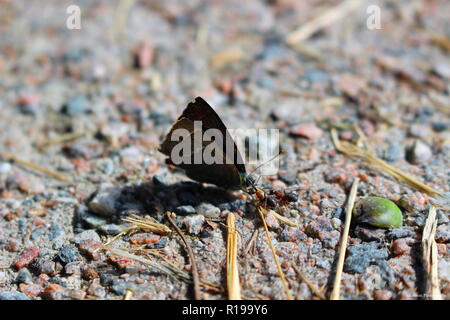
x: 228, y: 175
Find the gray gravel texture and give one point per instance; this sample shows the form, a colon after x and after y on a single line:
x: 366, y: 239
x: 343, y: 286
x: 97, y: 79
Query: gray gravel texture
x: 126, y: 75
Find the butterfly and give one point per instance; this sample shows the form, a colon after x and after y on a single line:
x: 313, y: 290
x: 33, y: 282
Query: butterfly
x: 228, y: 175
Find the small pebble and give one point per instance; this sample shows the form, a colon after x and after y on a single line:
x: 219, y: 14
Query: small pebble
x: 419, y: 152
x: 395, y: 152
x: 194, y: 223
x: 383, y: 294
x: 207, y: 210
x: 24, y: 276
x: 185, y: 210
x: 13, y: 295
x: 104, y: 202
x: 73, y: 267
x: 67, y: 254
x: 76, y: 106
x: 162, y: 243
x: 309, y: 131
x: 400, y: 247
x: 28, y: 255
x: 96, y: 289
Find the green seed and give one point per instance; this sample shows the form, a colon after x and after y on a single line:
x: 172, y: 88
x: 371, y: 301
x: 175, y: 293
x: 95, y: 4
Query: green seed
x: 378, y: 212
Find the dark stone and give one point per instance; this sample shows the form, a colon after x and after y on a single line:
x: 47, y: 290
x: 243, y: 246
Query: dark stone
x: 24, y: 276
x: 205, y: 233
x: 233, y: 206
x: 185, y: 210
x: 106, y: 279
x: 387, y: 273
x: 439, y: 126
x: 67, y: 254
x: 394, y: 234
x: 359, y: 257
x: 163, y: 242
x: 338, y: 213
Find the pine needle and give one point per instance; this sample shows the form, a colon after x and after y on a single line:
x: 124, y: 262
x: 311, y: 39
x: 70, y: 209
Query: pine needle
x: 354, y: 151
x: 35, y: 167
x: 430, y: 256
x: 234, y: 289
x: 280, y: 271
x: 335, y: 294
x: 195, y: 277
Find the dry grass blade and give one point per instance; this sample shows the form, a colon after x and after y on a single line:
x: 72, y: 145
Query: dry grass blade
x: 35, y: 167
x: 430, y: 256
x: 169, y: 269
x: 283, y: 219
x: 250, y: 243
x: 234, y: 288
x: 128, y: 295
x: 280, y: 271
x: 311, y: 285
x: 227, y: 56
x: 325, y: 19
x: 335, y: 294
x: 195, y: 276
x: 138, y: 222
x: 373, y: 161
x: 62, y: 138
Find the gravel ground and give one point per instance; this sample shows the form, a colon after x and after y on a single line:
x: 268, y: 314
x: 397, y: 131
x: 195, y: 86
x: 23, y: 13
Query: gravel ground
x: 120, y: 81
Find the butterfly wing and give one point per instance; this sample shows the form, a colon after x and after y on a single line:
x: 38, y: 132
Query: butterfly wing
x: 225, y: 175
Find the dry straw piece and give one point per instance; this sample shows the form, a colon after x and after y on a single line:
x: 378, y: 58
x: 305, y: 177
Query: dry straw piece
x: 35, y: 167
x: 280, y: 271
x: 323, y: 20
x: 234, y: 289
x: 354, y: 151
x: 138, y: 222
x: 61, y: 138
x: 430, y: 256
x: 195, y: 276
x: 335, y: 294
x: 283, y: 219
x: 311, y: 285
x: 227, y: 56
x: 168, y: 269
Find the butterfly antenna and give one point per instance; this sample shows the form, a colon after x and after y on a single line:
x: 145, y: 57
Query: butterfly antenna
x: 266, y: 162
